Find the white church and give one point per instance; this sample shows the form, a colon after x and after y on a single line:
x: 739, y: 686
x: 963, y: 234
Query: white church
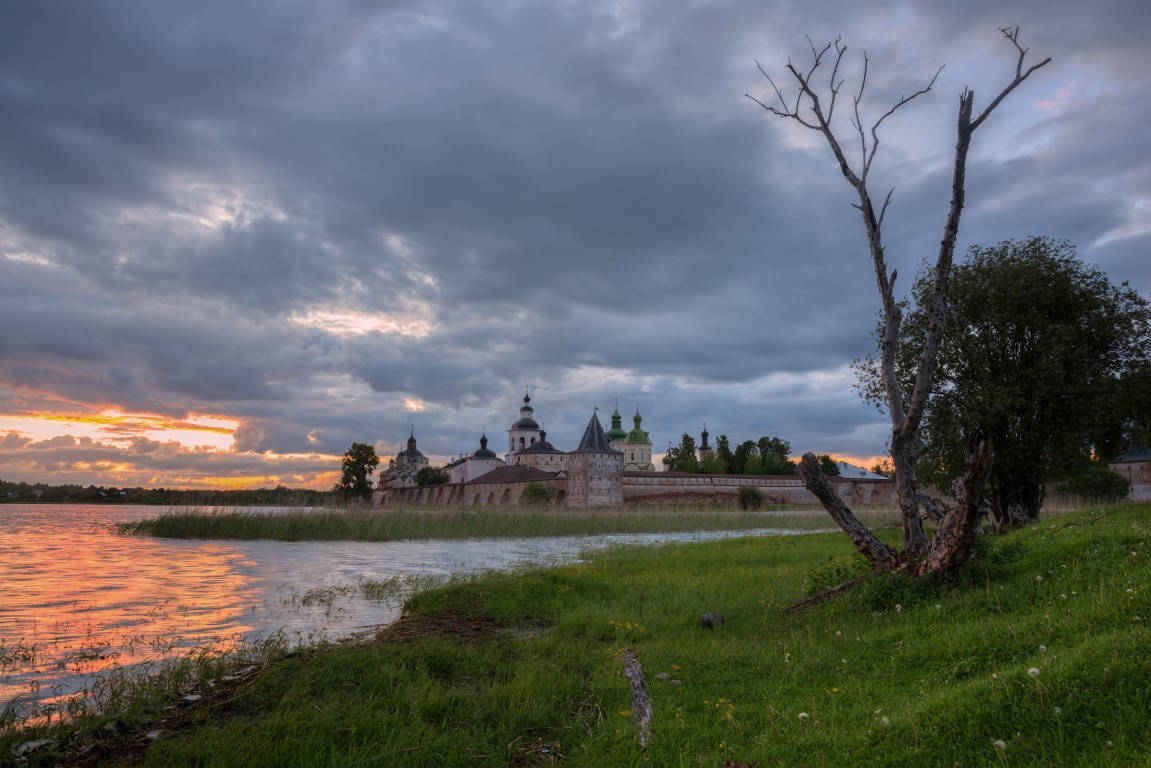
x: 527, y: 447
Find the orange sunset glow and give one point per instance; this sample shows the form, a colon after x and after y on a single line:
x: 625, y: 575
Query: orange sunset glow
x: 115, y: 447
x: 113, y: 425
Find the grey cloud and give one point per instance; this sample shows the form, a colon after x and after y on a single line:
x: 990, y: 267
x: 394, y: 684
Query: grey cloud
x: 579, y: 196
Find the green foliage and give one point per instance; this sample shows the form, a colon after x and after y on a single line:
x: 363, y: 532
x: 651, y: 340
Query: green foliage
x: 1042, y: 352
x: 774, y: 455
x: 683, y: 456
x: 431, y: 476
x: 359, y: 463
x: 827, y: 465
x: 766, y: 456
x: 883, y: 467
x: 1097, y: 484
x: 834, y: 572
x: 725, y: 458
x: 750, y: 497
x: 279, y: 496
x: 713, y: 465
x: 540, y: 494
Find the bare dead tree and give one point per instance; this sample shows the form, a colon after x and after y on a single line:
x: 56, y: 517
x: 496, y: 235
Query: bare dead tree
x: 815, y: 113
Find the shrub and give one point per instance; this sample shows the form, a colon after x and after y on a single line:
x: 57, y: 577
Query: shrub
x: 750, y: 497
x: 1098, y: 484
x: 538, y: 493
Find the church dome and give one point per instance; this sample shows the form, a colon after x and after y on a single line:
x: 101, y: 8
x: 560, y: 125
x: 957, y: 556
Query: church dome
x: 526, y: 413
x: 637, y: 435
x: 616, y: 433
x: 411, y: 452
x: 484, y: 452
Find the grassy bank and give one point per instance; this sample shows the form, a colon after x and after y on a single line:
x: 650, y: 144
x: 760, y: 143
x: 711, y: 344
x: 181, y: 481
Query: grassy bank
x: 1037, y: 654
x: 472, y: 522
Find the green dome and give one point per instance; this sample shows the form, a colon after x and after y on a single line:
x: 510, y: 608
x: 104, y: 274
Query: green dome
x: 616, y: 432
x: 637, y: 435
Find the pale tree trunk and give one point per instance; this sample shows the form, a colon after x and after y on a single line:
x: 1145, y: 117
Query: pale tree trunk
x: 881, y: 556
x: 955, y: 534
x: 906, y: 412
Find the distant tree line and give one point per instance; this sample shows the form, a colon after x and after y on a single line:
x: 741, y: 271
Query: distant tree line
x: 101, y: 494
x: 765, y: 456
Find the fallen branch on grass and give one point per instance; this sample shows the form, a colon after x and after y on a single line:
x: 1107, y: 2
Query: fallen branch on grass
x: 640, y: 700
x: 825, y: 595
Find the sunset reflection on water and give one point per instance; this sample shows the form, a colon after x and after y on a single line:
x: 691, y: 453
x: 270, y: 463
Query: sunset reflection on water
x: 80, y: 600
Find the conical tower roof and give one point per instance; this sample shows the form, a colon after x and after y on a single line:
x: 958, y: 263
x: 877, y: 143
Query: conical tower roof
x: 594, y: 439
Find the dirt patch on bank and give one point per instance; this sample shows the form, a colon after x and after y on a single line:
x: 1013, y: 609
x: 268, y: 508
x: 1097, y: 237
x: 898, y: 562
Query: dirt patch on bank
x: 438, y: 626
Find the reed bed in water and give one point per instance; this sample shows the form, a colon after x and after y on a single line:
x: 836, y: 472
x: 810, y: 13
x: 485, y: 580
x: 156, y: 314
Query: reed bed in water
x: 471, y: 522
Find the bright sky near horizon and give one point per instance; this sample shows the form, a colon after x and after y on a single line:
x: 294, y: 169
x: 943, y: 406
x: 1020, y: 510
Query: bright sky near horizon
x: 236, y: 238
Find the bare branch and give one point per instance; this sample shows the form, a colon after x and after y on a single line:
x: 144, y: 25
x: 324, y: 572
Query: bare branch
x: 640, y: 699
x: 1011, y: 34
x: 883, y: 208
x: 875, y: 128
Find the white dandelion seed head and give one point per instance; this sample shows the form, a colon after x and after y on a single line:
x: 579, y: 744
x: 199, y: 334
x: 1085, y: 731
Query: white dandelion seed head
x: 1110, y: 744
x: 1039, y: 578
x: 1058, y: 711
x: 1000, y: 744
x: 1043, y: 649
x: 838, y: 633
x: 898, y: 607
x: 1033, y: 672
x: 802, y: 716
x: 885, y: 722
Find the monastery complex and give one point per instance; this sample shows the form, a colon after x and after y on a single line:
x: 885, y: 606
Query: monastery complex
x: 608, y: 468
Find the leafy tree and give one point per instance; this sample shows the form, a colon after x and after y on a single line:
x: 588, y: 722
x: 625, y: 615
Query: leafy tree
x: 745, y: 459
x: 773, y: 456
x: 431, y: 476
x: 359, y: 463
x: 827, y: 465
x: 1044, y: 355
x: 683, y: 456
x: 883, y: 467
x: 725, y: 458
x: 813, y: 106
x: 1097, y: 484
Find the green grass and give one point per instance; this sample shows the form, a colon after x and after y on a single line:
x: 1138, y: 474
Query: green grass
x: 523, y: 669
x: 469, y: 523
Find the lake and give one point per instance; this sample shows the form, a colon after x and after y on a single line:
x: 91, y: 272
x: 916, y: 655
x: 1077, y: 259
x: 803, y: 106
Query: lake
x: 78, y: 600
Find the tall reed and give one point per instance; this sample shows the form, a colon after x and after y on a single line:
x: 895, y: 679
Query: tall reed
x: 359, y: 524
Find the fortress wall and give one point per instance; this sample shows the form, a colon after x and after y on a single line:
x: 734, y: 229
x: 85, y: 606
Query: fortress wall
x: 1138, y: 474
x: 460, y: 494
x: 606, y: 486
x: 640, y: 486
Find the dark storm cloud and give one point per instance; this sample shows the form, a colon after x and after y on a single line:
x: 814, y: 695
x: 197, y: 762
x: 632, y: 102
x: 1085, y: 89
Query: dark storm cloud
x: 572, y: 197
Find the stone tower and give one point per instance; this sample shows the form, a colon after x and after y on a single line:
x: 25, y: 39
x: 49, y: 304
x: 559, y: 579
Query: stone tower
x: 595, y: 470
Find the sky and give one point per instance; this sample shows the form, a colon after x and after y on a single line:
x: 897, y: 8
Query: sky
x: 237, y: 237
